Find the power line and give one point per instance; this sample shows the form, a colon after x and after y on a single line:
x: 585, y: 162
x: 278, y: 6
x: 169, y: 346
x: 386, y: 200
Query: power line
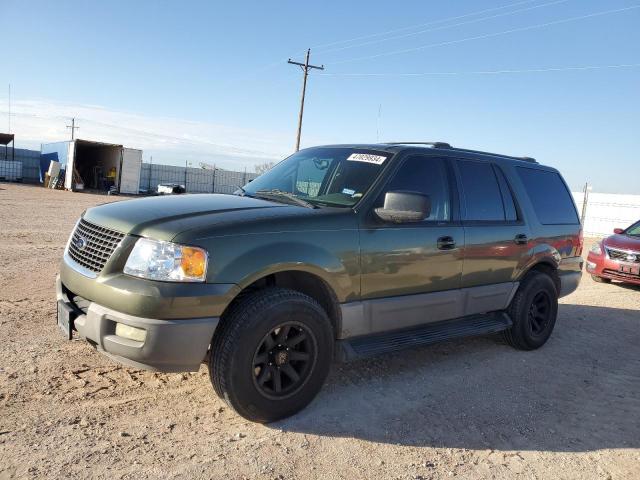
x: 483, y: 72
x: 489, y: 35
x: 445, y: 27
x: 434, y: 22
x: 306, y: 67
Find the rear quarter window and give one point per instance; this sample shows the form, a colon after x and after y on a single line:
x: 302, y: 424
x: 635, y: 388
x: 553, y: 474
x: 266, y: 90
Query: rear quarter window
x: 549, y: 196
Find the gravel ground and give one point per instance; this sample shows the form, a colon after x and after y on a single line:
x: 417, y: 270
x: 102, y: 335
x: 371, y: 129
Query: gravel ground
x: 473, y: 408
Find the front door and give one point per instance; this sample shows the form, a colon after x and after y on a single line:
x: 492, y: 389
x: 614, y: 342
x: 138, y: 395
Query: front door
x: 411, y: 272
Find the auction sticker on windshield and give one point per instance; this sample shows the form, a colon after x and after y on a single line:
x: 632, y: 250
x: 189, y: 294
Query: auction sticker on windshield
x: 367, y: 158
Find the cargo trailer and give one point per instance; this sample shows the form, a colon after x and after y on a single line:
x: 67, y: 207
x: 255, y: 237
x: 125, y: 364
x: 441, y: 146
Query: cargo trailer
x: 90, y: 165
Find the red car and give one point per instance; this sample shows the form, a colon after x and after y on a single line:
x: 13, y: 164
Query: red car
x: 617, y: 257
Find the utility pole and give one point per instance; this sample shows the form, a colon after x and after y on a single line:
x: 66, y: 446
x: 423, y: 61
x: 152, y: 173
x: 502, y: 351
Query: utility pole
x: 150, y: 171
x: 585, y: 202
x: 305, y: 69
x: 73, y: 128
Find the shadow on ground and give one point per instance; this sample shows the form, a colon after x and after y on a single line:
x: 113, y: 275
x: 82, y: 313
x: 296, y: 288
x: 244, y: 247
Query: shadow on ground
x: 580, y: 392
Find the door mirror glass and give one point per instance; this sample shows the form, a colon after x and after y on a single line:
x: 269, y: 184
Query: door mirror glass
x: 404, y: 207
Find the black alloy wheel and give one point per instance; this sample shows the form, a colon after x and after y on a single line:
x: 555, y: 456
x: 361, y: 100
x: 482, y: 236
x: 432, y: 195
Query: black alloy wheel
x: 284, y: 359
x: 539, y: 313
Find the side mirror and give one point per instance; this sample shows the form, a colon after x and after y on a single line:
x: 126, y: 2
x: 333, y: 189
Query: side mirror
x: 404, y: 207
x: 618, y: 230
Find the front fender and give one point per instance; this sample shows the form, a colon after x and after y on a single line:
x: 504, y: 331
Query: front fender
x: 333, y: 258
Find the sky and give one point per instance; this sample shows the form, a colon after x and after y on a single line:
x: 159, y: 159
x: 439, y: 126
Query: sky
x: 208, y: 81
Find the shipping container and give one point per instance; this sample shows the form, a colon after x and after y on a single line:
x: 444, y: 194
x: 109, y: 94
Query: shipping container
x: 95, y: 165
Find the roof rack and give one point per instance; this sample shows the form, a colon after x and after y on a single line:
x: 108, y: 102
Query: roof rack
x: 523, y: 159
x: 433, y: 144
x: 446, y: 145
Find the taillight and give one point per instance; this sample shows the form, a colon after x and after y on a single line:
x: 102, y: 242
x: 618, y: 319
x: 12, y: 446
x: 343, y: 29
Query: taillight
x: 580, y: 244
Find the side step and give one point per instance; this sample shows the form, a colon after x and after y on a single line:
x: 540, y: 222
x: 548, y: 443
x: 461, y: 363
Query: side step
x: 376, y: 344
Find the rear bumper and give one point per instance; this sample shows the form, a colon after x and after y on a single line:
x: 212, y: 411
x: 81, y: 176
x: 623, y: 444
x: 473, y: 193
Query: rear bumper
x: 570, y: 273
x: 168, y: 346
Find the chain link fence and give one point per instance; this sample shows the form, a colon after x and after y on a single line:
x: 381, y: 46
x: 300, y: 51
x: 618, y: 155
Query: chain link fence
x: 195, y: 180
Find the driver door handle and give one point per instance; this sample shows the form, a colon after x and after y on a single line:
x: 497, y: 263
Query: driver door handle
x: 446, y: 243
x: 521, y: 239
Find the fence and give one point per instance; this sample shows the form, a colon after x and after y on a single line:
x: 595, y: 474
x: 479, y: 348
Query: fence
x: 606, y: 211
x: 195, y: 180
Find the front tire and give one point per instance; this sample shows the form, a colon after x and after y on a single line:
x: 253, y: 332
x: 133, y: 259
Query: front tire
x: 598, y: 279
x: 533, y: 310
x: 271, y: 354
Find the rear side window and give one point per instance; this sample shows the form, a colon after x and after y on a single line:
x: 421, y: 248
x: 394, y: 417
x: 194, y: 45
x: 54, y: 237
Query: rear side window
x: 510, y: 212
x: 483, y: 199
x: 551, y: 200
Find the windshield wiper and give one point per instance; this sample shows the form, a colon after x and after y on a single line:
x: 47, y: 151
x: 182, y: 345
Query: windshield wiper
x: 289, y: 198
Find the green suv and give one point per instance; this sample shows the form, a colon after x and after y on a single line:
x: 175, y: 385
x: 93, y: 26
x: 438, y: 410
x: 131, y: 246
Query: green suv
x: 337, y: 253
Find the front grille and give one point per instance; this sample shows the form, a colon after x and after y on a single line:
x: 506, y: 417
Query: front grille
x: 621, y: 275
x: 624, y: 256
x: 91, y: 246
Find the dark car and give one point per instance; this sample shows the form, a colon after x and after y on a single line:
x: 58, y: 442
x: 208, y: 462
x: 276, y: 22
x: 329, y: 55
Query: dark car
x: 617, y: 257
x: 338, y: 252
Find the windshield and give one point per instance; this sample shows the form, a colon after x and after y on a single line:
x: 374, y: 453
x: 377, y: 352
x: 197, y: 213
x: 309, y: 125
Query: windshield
x: 322, y: 176
x: 633, y: 230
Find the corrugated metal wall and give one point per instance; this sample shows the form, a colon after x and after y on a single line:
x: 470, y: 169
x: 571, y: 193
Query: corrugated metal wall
x: 196, y: 180
x: 606, y: 211
x: 27, y: 171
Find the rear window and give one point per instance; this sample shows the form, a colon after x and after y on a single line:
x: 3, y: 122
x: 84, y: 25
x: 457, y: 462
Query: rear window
x: 551, y: 200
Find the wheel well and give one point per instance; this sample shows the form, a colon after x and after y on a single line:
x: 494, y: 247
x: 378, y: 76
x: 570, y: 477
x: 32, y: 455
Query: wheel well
x: 549, y: 270
x: 303, y: 282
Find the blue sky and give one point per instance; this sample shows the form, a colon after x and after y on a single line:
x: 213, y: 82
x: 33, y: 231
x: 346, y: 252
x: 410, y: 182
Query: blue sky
x: 208, y: 81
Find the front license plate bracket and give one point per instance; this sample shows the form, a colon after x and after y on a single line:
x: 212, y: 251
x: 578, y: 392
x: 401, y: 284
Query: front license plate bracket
x: 65, y: 315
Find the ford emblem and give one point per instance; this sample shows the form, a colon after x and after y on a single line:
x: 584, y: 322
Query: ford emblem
x: 80, y: 243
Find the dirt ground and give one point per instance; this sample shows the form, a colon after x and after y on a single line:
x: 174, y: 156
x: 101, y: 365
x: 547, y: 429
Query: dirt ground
x: 472, y: 408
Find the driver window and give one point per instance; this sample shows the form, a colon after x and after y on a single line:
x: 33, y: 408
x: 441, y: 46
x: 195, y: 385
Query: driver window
x: 426, y: 175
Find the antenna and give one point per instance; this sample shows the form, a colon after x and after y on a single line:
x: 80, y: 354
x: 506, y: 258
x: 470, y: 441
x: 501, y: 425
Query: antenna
x: 378, y: 123
x: 9, y: 108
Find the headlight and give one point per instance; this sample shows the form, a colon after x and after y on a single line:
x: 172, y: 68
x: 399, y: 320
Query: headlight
x: 596, y: 248
x: 157, y: 260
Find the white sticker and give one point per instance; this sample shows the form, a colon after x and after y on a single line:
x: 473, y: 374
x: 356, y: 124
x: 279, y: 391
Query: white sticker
x: 367, y: 158
x: 348, y: 191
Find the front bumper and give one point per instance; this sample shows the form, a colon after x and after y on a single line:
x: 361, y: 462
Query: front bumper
x: 169, y: 345
x: 603, y: 266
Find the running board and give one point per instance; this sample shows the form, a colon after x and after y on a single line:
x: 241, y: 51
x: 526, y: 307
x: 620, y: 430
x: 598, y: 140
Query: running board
x: 376, y: 344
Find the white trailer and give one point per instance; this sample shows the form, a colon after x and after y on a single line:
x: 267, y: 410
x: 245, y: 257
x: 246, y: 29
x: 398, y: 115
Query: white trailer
x: 96, y: 165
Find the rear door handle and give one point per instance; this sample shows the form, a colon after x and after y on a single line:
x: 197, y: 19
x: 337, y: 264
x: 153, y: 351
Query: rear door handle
x: 446, y: 243
x: 521, y: 239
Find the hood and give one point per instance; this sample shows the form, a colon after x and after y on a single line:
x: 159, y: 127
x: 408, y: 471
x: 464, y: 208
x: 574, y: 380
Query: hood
x: 623, y: 242
x: 166, y: 216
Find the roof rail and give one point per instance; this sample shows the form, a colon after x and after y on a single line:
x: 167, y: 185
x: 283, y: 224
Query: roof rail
x: 511, y: 157
x: 433, y: 144
x: 446, y: 145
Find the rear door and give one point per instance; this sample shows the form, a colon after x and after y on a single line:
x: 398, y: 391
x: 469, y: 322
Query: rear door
x: 130, y: 170
x: 411, y: 272
x: 496, y: 237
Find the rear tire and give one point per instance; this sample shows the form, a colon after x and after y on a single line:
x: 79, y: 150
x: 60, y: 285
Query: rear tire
x: 600, y: 279
x: 533, y: 310
x: 271, y: 354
